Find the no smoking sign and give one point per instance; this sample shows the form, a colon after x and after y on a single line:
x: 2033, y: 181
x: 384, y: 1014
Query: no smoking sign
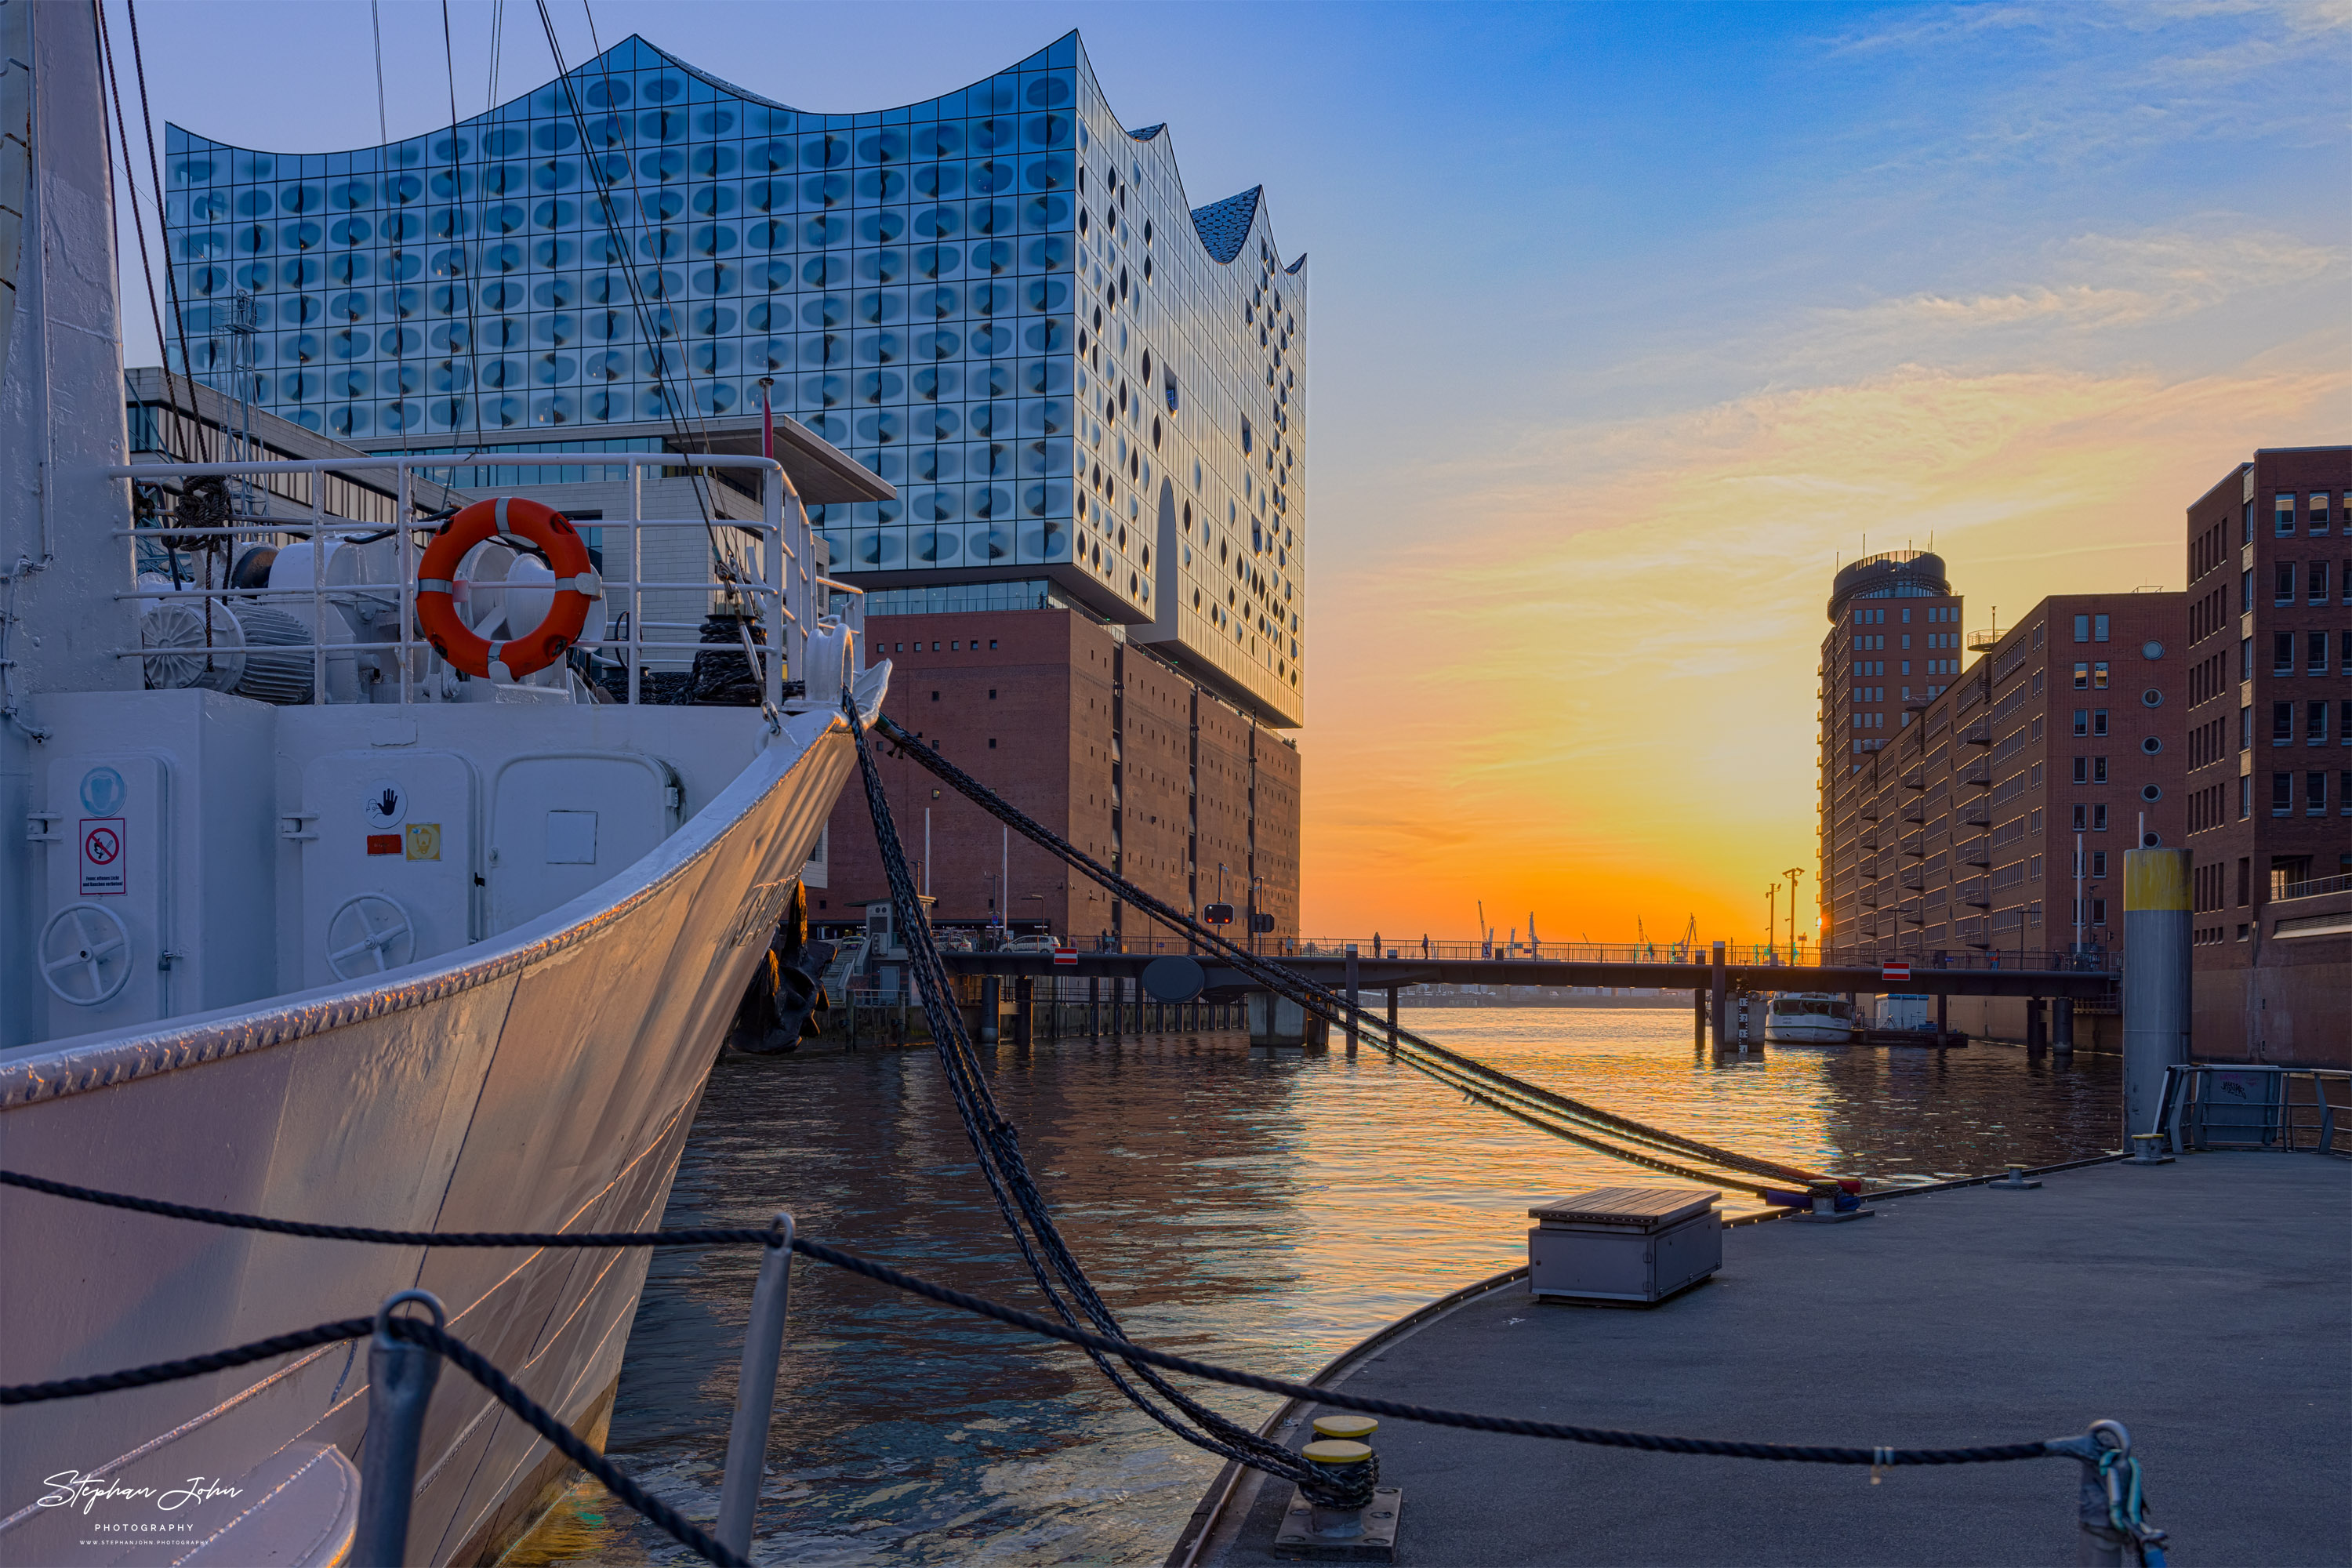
x: 102, y: 869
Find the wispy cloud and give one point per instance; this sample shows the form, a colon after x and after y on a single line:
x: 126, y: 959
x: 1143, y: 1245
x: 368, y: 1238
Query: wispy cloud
x: 1600, y: 674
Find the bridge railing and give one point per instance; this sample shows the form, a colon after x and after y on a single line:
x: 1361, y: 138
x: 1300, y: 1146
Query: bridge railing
x: 1746, y: 955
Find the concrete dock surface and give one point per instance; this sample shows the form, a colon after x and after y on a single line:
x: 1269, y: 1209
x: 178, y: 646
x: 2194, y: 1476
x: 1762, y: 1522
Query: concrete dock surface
x: 2206, y: 1304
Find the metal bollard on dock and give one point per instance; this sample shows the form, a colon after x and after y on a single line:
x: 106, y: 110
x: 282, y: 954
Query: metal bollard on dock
x: 755, y: 1395
x: 1343, y: 1458
x: 2111, y: 1504
x: 400, y: 1386
x: 2016, y: 1182
x: 2148, y: 1149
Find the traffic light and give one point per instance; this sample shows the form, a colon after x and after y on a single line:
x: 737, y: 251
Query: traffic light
x: 1218, y: 914
x: 1261, y: 923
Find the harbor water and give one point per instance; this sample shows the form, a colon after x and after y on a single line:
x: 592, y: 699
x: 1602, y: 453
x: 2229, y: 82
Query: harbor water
x: 1262, y: 1209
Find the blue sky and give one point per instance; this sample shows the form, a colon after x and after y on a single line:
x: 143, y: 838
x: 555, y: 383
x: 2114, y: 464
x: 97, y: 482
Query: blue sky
x: 1625, y: 321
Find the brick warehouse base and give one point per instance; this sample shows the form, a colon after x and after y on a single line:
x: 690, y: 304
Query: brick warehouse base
x: 1100, y: 740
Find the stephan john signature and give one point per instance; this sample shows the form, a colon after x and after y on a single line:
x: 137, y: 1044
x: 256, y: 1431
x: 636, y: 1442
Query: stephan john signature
x: 71, y: 1488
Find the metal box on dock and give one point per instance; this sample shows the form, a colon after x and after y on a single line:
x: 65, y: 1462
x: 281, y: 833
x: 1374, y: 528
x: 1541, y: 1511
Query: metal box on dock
x: 1624, y: 1244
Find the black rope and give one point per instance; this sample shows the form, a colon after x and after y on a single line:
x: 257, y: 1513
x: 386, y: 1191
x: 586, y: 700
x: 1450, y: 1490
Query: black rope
x: 496, y: 1382
x: 466, y: 1359
x: 613, y: 1238
x: 1323, y: 1003
x: 997, y: 1143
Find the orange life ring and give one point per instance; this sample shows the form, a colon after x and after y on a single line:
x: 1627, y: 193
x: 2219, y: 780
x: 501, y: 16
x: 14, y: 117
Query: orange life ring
x: 576, y: 585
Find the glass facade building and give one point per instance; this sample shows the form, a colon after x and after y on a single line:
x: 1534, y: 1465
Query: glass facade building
x: 999, y: 299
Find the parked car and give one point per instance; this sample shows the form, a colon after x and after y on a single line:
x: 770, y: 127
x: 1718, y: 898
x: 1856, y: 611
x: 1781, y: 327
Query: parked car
x: 1033, y: 945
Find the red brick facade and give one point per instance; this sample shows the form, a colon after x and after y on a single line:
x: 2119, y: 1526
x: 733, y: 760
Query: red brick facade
x: 1094, y: 737
x: 2270, y: 755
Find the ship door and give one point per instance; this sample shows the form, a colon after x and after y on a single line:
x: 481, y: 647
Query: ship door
x: 104, y: 946
x: 563, y: 823
x: 389, y: 860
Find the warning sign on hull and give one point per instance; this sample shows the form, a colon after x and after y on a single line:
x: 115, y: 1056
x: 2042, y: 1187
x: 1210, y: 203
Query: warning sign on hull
x: 102, y: 864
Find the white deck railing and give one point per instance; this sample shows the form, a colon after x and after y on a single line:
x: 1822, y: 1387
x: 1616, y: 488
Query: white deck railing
x: 768, y: 566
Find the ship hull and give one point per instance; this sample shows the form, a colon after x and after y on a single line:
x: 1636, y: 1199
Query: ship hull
x: 544, y: 1079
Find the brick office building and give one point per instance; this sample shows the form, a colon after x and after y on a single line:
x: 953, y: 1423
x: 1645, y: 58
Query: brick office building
x: 1107, y: 742
x: 2270, y: 630
x: 1958, y: 835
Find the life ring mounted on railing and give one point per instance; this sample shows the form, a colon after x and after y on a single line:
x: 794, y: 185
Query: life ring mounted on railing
x: 577, y: 586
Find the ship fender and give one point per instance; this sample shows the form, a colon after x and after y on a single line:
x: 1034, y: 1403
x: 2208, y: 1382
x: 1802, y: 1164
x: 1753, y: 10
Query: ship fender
x: 780, y: 1006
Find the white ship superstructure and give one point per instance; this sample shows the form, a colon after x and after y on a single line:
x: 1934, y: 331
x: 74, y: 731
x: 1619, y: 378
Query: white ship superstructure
x: 307, y: 919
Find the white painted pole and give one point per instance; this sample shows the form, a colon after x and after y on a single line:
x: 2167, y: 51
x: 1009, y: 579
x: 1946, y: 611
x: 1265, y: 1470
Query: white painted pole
x: 927, y: 850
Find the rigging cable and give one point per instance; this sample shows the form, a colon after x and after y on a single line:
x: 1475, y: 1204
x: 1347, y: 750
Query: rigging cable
x: 205, y: 444
x: 608, y: 213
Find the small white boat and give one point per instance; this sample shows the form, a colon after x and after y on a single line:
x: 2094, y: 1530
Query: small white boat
x: 1809, y: 1018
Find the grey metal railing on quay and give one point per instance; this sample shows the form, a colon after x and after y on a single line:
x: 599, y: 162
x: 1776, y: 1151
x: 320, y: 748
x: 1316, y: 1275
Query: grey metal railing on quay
x: 768, y: 566
x: 2223, y: 1105
x: 2314, y: 887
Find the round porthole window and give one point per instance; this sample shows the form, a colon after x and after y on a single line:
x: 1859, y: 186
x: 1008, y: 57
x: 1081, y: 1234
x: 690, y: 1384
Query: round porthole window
x: 2151, y: 745
x: 2151, y: 698
x: 2151, y: 792
x: 2151, y: 840
x: 2151, y: 650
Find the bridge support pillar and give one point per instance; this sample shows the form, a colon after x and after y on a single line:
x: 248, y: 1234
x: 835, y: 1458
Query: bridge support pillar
x: 1094, y: 1007
x: 1721, y: 1009
x: 1392, y: 1023
x: 1352, y: 998
x: 1698, y: 1019
x: 1943, y: 1015
x: 2062, y: 1024
x: 991, y: 1000
x: 1024, y: 1007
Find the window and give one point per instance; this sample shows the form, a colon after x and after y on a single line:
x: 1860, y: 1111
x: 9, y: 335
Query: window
x: 2317, y: 515
x: 992, y: 694
x: 2245, y: 810
x: 2344, y: 792
x: 2098, y: 628
x: 2098, y: 862
x: 2099, y: 676
x: 2082, y: 817
x: 2098, y: 911
x: 2099, y: 819
x: 2315, y: 653
x: 2245, y: 658
x: 2315, y: 724
x: 2082, y: 770
x: 2081, y: 629
x: 2098, y: 720
x: 2282, y: 793
x: 2344, y: 722
x: 2315, y: 794
x: 2283, y: 589
x: 2098, y: 770
x: 2281, y: 515
x: 2315, y: 582
x: 2033, y: 867
x: 2081, y: 677
x: 2281, y: 724
x: 2081, y: 721
x: 2282, y: 653
x: 2245, y: 590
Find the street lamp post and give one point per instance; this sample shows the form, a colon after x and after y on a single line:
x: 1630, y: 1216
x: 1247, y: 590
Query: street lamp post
x: 1793, y: 874
x: 1255, y: 884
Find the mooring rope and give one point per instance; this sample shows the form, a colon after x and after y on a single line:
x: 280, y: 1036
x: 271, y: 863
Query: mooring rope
x: 1318, y: 999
